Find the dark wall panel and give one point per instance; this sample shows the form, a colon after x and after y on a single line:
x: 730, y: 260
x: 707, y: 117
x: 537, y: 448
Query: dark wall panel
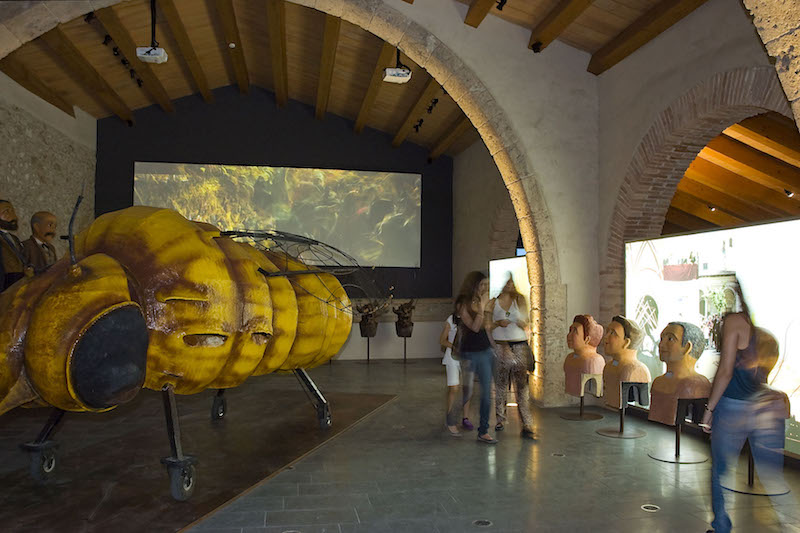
x: 251, y: 130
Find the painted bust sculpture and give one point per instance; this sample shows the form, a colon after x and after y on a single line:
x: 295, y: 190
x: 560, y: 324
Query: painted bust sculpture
x: 681, y: 346
x: 404, y: 325
x: 583, y: 339
x: 623, y: 337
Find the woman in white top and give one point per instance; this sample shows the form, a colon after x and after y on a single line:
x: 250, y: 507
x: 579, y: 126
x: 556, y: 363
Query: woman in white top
x: 454, y: 375
x: 509, y: 320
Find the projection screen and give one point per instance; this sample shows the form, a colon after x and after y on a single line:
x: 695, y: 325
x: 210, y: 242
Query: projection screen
x: 373, y: 216
x: 689, y: 278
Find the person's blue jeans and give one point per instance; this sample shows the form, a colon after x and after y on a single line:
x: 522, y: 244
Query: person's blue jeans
x: 482, y: 363
x: 734, y: 422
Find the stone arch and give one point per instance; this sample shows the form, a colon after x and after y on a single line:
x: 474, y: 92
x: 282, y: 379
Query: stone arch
x: 673, y: 141
x: 463, y: 85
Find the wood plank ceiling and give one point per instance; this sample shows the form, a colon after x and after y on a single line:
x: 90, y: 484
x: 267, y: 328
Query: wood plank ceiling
x: 296, y: 52
x: 750, y: 173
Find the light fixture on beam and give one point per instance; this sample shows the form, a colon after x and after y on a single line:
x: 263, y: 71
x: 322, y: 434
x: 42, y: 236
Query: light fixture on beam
x: 789, y: 194
x: 712, y: 208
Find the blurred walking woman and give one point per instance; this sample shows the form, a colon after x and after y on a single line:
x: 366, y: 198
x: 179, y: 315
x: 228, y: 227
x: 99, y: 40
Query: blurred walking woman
x: 508, y: 312
x: 476, y: 348
x: 742, y: 406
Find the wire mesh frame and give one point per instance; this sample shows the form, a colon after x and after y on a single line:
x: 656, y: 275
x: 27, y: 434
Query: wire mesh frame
x: 318, y: 258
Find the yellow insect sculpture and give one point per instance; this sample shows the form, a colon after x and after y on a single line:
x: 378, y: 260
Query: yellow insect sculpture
x: 160, y: 302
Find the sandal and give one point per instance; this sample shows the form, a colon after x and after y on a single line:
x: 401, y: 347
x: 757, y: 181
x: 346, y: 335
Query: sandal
x: 528, y: 434
x: 487, y: 439
x: 499, y: 427
x: 453, y: 432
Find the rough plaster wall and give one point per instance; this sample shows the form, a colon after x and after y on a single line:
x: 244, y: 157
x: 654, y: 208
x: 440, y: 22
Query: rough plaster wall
x: 41, y: 168
x: 478, y: 191
x: 715, y: 38
x: 778, y: 24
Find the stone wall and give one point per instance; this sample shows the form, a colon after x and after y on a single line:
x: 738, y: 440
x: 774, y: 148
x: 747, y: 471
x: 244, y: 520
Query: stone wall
x: 778, y: 24
x: 45, y: 160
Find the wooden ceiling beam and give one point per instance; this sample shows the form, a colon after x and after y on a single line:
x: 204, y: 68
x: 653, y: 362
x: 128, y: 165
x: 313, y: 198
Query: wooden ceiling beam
x: 642, y: 31
x: 384, y: 59
x: 700, y: 209
x: 152, y: 85
x: 456, y: 130
x: 85, y: 74
x: 330, y: 40
x: 723, y: 180
x: 773, y: 137
x: 230, y: 30
x: 19, y: 73
x: 670, y: 228
x: 725, y: 201
x: 186, y: 48
x: 555, y: 22
x: 752, y: 164
x: 276, y: 25
x: 478, y: 10
x: 416, y: 112
x: 687, y: 221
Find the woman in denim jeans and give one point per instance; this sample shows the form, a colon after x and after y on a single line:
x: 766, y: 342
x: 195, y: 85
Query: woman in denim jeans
x: 476, y: 347
x: 742, y: 406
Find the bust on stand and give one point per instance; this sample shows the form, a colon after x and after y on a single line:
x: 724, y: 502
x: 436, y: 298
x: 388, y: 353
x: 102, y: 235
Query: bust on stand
x: 680, y: 387
x: 583, y: 365
x: 368, y: 323
x: 624, y: 374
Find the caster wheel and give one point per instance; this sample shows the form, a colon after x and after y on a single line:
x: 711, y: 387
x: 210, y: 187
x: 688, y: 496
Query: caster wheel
x: 218, y: 408
x: 181, y: 481
x: 43, y: 465
x: 326, y: 422
x: 324, y: 417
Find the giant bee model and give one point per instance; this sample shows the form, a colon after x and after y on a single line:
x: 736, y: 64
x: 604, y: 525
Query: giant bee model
x: 150, y: 299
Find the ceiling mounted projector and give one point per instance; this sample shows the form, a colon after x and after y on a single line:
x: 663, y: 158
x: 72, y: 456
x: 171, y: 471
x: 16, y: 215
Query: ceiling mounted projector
x: 397, y: 74
x: 149, y: 54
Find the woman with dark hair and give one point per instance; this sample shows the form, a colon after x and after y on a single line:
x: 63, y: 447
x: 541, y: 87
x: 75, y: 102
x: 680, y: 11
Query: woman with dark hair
x: 743, y: 407
x: 475, y: 345
x: 509, y: 320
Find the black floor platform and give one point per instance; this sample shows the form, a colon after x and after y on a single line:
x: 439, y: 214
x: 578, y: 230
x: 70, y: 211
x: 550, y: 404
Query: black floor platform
x: 109, y: 476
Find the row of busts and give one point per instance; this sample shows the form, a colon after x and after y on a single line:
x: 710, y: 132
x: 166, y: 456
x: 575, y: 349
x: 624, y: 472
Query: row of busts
x: 680, y: 346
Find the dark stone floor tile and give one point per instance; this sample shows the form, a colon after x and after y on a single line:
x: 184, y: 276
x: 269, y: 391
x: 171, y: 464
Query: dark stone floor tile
x: 366, y: 487
x: 256, y: 503
x: 224, y: 519
x: 324, y: 528
x: 326, y: 501
x: 311, y: 517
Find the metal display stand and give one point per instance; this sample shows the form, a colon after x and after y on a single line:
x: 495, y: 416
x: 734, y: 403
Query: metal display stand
x: 581, y: 415
x: 622, y: 432
x: 667, y: 454
x: 735, y: 482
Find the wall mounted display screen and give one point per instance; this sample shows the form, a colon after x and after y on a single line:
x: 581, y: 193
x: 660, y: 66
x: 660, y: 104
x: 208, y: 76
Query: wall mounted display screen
x: 690, y: 278
x: 373, y: 216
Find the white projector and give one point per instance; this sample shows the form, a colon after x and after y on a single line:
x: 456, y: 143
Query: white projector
x: 148, y: 54
x: 397, y: 75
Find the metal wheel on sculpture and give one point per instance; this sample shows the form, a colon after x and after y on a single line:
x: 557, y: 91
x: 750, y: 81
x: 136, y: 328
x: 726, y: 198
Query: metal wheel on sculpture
x: 181, y: 481
x: 43, y: 465
x: 218, y: 408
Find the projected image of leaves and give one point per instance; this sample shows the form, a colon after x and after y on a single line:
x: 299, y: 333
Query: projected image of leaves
x: 374, y: 216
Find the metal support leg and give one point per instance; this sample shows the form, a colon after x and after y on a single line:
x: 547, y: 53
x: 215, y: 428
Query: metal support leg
x: 367, y: 350
x: 581, y: 409
x: 180, y: 467
x: 219, y: 406
x: 404, y: 350
x: 317, y: 399
x: 678, y: 427
x: 751, y: 466
x: 622, y: 419
x: 43, y: 450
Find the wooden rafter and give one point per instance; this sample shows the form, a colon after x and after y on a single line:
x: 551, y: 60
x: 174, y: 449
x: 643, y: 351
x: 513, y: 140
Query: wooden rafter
x: 330, y: 41
x: 276, y: 24
x: 773, y: 137
x: 478, y: 11
x: 555, y: 22
x: 387, y: 52
x: 687, y: 221
x: 752, y: 164
x: 729, y: 182
x: 725, y: 201
x: 671, y: 228
x: 642, y: 31
x: 230, y: 29
x: 85, y: 74
x: 152, y: 85
x: 708, y: 212
x: 19, y: 73
x: 186, y: 48
x: 456, y: 130
x: 415, y: 112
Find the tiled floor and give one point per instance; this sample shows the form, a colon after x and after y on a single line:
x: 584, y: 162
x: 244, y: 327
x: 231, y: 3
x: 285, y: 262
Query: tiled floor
x: 397, y: 470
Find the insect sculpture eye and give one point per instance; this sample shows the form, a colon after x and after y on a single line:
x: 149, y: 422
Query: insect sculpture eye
x: 210, y: 340
x: 261, y: 338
